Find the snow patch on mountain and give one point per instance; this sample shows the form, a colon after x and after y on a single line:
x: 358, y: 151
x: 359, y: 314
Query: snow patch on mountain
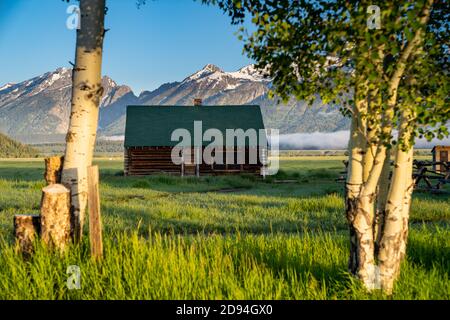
x: 204, y: 72
x: 7, y: 86
x: 212, y: 72
x: 110, y: 82
x: 250, y: 73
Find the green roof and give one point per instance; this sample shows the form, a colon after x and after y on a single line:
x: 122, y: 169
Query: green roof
x: 152, y: 126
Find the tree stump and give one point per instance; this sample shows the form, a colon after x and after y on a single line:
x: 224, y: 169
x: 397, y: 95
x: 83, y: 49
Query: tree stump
x: 55, y: 216
x: 53, y: 168
x: 26, y: 229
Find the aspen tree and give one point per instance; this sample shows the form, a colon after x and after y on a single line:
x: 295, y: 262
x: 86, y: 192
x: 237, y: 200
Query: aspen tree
x: 358, y: 54
x: 87, y: 91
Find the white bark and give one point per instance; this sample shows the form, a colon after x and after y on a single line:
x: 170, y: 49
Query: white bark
x: 365, y: 171
x: 353, y: 188
x: 86, y: 93
x: 393, y: 241
x: 382, y: 194
x: 406, y: 206
x: 366, y: 222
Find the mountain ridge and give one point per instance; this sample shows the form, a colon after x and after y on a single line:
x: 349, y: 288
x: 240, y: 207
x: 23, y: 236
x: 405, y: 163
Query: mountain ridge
x: 40, y: 107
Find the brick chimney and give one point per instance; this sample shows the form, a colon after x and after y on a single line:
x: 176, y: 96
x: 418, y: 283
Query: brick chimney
x: 198, y: 102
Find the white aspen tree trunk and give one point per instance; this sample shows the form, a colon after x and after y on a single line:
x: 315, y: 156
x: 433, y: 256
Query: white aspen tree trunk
x: 382, y: 194
x: 367, y: 199
x: 365, y: 222
x: 381, y: 124
x: 367, y: 158
x: 406, y: 207
x: 378, y: 170
x: 353, y: 186
x: 370, y: 135
x: 86, y: 94
x: 393, y: 241
x: 368, y: 163
x: 364, y: 174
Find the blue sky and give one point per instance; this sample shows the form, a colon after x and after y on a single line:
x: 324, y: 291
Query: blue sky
x: 163, y: 41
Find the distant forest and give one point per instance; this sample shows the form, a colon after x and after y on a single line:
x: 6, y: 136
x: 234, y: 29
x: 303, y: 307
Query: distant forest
x: 10, y: 148
x: 103, y: 148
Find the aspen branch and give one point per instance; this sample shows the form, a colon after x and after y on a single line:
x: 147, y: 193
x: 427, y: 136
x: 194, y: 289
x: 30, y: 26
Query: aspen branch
x: 406, y: 53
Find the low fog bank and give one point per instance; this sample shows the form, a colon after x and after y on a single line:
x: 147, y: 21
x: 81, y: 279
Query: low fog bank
x: 337, y: 140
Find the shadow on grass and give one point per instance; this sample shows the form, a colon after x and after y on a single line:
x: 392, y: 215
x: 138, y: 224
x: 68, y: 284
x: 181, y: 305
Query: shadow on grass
x: 429, y: 254
x: 248, y: 185
x: 22, y: 173
x: 119, y: 219
x: 311, y: 264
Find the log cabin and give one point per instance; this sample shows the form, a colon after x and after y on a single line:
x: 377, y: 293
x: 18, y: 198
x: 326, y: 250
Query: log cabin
x: 153, y: 134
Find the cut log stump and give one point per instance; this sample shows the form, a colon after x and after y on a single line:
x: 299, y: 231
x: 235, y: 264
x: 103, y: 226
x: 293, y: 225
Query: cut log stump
x: 55, y: 216
x: 53, y: 168
x: 26, y: 229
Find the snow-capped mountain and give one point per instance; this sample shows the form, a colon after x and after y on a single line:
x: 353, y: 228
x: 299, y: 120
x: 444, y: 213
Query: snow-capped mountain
x: 38, y: 109
x: 37, y: 106
x: 211, y: 73
x: 213, y: 85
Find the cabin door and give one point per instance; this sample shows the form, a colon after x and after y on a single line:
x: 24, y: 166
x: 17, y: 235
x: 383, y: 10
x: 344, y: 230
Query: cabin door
x: 190, y: 162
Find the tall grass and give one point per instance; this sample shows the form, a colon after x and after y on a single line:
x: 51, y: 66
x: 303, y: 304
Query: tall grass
x: 242, y: 266
x: 173, y: 238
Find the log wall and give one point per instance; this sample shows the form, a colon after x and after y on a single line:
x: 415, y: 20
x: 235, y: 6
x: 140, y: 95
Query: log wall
x: 141, y: 161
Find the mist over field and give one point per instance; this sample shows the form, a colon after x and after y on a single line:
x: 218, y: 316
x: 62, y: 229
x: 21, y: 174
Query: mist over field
x: 315, y: 140
x: 337, y: 140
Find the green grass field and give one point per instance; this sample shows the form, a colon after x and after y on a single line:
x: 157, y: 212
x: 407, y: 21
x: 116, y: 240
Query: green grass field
x: 217, y: 238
